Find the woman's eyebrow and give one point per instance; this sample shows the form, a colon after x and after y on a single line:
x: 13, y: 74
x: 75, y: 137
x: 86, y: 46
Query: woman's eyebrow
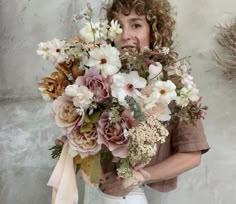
x: 131, y: 20
x: 135, y: 19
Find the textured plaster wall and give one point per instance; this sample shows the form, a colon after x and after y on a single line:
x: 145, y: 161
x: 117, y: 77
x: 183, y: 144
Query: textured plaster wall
x: 26, y: 130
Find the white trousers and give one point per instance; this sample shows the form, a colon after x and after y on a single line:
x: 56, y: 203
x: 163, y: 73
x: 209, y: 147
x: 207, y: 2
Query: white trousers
x: 136, y: 196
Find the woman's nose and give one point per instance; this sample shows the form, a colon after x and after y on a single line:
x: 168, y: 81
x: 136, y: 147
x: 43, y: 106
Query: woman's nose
x: 126, y: 34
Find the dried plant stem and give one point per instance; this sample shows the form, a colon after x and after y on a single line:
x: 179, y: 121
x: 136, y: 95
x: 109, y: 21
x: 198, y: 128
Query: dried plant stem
x: 227, y: 39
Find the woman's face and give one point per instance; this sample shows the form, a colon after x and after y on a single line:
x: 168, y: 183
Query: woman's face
x: 135, y: 29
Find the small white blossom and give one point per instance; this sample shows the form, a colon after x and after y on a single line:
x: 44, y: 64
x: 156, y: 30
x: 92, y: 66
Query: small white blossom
x: 80, y: 111
x: 165, y: 50
x: 126, y: 133
x: 184, y: 68
x: 187, y: 95
x: 187, y: 81
x: 114, y: 30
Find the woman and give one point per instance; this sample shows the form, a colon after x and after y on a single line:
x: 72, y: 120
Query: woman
x: 148, y: 23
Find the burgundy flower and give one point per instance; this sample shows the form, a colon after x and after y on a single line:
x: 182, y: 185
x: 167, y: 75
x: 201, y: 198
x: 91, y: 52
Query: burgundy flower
x: 112, y: 134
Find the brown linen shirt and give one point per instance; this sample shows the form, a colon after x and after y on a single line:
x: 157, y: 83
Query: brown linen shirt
x: 182, y: 138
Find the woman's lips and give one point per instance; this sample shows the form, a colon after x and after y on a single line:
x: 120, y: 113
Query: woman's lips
x: 128, y: 46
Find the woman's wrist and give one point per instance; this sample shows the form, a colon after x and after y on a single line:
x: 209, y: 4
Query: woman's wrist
x: 136, y: 180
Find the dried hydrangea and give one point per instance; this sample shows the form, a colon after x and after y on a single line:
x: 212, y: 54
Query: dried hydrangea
x: 143, y: 143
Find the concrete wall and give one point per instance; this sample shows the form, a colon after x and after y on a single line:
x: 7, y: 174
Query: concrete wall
x: 26, y: 130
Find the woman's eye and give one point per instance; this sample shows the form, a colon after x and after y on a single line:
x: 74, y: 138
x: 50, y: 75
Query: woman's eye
x: 136, y: 25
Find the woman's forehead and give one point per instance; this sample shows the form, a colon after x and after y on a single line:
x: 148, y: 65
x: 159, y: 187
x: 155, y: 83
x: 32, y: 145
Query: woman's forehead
x: 133, y: 16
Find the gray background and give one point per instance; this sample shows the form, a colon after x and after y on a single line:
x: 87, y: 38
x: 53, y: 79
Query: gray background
x: 26, y: 130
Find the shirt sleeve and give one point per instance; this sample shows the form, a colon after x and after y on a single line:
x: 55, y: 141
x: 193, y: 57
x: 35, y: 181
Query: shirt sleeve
x: 189, y: 138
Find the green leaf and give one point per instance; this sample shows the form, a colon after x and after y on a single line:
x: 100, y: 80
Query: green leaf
x: 77, y: 168
x: 86, y: 127
x: 94, y: 117
x: 106, y: 156
x: 56, y: 151
x: 135, y: 107
x: 96, y: 169
x: 87, y: 119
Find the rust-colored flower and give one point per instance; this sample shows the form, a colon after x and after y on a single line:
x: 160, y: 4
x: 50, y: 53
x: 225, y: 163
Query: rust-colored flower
x: 71, y: 70
x: 54, y: 85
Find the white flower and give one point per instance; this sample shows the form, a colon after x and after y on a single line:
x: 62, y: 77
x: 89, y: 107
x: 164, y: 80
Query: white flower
x: 187, y: 81
x: 43, y: 50
x: 164, y: 114
x: 72, y: 90
x: 52, y: 50
x: 165, y: 50
x: 82, y: 96
x: 166, y: 90
x: 114, y: 30
x: 150, y: 101
x: 154, y: 70
x: 127, y: 85
x: 186, y: 95
x: 91, y: 32
x: 106, y: 59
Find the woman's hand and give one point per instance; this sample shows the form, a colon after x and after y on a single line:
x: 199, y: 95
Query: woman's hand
x: 116, y: 186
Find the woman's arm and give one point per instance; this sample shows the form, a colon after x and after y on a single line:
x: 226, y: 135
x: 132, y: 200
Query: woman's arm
x: 173, y: 166
x: 166, y: 169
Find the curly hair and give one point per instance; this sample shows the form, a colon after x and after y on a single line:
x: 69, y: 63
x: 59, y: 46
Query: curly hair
x: 158, y: 15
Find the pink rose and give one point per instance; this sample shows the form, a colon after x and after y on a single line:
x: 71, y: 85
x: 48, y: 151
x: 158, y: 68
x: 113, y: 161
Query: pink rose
x: 99, y: 85
x: 112, y: 134
x: 84, y: 143
x: 65, y: 115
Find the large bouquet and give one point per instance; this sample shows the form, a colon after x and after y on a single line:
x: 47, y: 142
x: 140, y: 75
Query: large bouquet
x: 111, y: 102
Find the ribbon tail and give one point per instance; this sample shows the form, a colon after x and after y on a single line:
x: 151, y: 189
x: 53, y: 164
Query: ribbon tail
x: 63, y: 179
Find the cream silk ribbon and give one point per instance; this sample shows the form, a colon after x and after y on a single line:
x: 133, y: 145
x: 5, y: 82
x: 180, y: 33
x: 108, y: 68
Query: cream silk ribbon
x: 63, y: 179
